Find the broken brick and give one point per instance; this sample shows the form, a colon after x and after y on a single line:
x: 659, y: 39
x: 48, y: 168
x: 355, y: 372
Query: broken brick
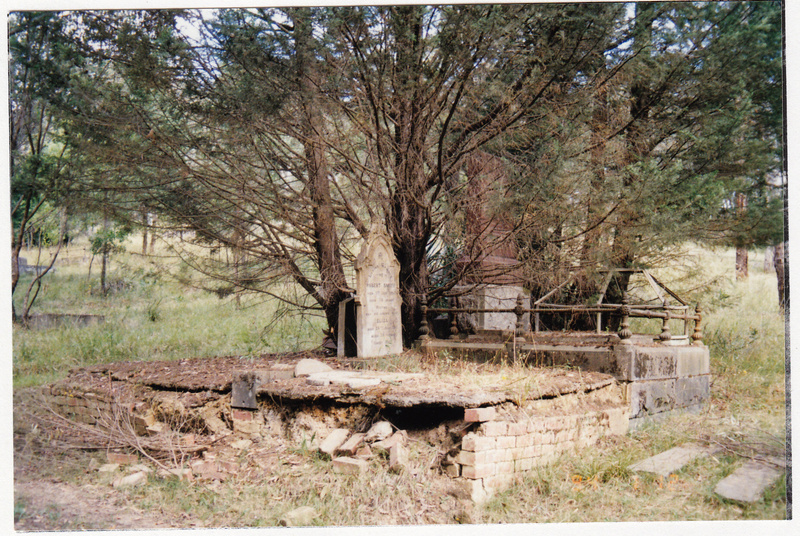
x: 351, y: 446
x: 334, y: 441
x: 349, y: 465
x: 480, y: 414
x: 121, y: 458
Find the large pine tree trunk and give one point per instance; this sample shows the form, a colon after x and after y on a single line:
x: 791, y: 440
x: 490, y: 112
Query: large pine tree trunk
x: 333, y: 284
x: 410, y: 218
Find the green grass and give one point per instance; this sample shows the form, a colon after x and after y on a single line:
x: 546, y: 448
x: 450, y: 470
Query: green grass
x: 149, y: 316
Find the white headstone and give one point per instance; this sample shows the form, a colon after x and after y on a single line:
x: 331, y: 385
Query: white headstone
x: 378, y: 296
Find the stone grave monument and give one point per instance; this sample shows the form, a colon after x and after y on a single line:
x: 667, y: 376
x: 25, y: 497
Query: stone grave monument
x: 378, y: 321
x: 492, y: 279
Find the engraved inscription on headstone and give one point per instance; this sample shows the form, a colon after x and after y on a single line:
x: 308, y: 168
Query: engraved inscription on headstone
x: 378, y: 296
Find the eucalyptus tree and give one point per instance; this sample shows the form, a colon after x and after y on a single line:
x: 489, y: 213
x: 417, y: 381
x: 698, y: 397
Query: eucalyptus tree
x: 39, y: 171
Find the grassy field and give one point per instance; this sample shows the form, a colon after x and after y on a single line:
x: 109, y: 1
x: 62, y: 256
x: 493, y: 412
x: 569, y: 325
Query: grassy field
x: 149, y: 316
x: 152, y: 317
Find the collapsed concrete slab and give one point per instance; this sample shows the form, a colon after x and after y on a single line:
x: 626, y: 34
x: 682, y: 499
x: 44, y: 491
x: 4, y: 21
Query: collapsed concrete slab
x: 498, y: 428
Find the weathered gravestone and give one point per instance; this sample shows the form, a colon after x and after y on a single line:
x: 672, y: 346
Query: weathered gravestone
x: 378, y: 302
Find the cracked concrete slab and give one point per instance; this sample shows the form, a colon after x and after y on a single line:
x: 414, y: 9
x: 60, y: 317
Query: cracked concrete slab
x: 671, y: 461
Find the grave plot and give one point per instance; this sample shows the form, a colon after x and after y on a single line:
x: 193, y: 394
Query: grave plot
x: 489, y: 431
x: 657, y: 379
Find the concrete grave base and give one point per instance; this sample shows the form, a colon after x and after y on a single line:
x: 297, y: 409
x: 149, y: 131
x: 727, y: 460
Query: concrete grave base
x: 492, y: 434
x: 657, y: 379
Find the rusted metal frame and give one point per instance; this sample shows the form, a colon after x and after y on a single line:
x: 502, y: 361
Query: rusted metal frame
x: 676, y: 297
x: 604, y: 288
x: 662, y: 285
x: 641, y: 311
x: 655, y: 286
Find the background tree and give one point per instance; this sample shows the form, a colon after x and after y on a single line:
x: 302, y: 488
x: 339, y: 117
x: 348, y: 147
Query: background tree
x: 278, y: 136
x: 39, y: 165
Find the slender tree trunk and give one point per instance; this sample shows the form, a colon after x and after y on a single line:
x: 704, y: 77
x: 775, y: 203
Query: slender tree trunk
x: 781, y: 261
x: 741, y: 251
x: 144, y: 232
x: 153, y: 239
x: 62, y: 228
x: 769, y: 259
x: 104, y: 259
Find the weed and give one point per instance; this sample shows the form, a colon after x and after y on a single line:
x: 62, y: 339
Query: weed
x: 20, y: 509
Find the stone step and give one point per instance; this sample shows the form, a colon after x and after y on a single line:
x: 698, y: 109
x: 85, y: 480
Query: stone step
x: 672, y: 460
x: 748, y: 482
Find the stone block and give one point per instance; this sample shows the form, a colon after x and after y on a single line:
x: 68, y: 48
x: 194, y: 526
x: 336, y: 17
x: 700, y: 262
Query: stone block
x: 692, y: 391
x: 504, y: 467
x: 501, y: 455
x: 364, y: 452
x: 378, y: 431
x: 524, y: 440
x: 398, y: 457
x: 565, y: 435
x: 475, y: 490
x: 242, y: 414
x: 506, y: 442
x: 618, y: 421
x: 650, y: 397
x: 494, y: 455
x: 670, y: 461
x: 517, y: 453
x: 594, y: 359
x: 480, y: 414
x: 400, y: 437
x: 525, y: 464
x: 693, y: 361
x: 517, y: 428
x: 546, y: 450
x: 466, y: 457
x: 136, y: 479
x: 654, y: 364
x: 334, y: 440
x: 535, y: 426
x: 121, y: 458
x: 748, y: 482
x: 249, y: 427
x: 306, y: 367
x: 349, y: 465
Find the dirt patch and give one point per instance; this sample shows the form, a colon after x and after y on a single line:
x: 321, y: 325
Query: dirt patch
x: 51, y: 505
